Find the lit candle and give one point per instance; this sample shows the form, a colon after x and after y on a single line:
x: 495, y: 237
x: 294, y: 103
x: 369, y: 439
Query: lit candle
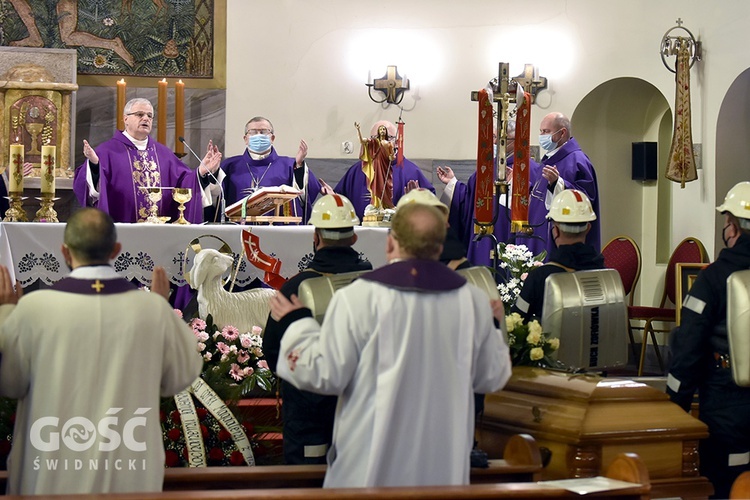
x: 48, y: 169
x: 15, y: 175
x: 161, y: 124
x: 179, y: 117
x: 121, y: 87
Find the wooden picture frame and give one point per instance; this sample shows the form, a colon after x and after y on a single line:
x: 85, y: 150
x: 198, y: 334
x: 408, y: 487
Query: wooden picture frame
x: 685, y: 277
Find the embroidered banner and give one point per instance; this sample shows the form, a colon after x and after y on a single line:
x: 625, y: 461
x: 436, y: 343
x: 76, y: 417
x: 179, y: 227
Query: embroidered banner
x: 681, y: 164
x: 271, y: 265
x: 519, y: 209
x: 484, y: 194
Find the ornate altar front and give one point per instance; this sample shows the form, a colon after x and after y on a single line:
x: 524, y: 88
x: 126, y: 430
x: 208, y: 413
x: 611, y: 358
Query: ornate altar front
x: 586, y: 420
x: 36, y: 103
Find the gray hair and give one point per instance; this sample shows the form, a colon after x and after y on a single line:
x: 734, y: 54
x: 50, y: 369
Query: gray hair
x: 258, y: 119
x: 133, y: 102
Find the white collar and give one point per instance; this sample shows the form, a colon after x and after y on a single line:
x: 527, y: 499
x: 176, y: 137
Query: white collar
x: 94, y: 272
x: 258, y: 157
x: 140, y: 145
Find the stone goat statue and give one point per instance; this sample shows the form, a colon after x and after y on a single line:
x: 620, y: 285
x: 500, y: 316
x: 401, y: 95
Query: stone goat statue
x: 240, y: 309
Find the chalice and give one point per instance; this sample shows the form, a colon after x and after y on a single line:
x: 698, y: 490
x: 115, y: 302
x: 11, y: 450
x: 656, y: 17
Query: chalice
x: 34, y: 130
x: 154, y: 196
x: 182, y: 196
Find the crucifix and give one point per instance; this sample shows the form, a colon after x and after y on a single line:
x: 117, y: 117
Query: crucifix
x: 392, y: 85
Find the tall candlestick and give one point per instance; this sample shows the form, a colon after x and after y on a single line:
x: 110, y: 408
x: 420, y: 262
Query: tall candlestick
x: 161, y: 124
x: 121, y: 88
x: 48, y: 169
x: 179, y: 117
x: 15, y: 176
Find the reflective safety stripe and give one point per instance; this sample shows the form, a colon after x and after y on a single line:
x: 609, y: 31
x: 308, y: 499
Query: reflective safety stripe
x: 522, y: 305
x: 673, y: 383
x: 695, y: 305
x: 318, y: 450
x: 739, y: 459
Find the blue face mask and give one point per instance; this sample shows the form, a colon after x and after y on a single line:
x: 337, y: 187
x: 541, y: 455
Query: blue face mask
x: 545, y: 141
x: 259, y: 143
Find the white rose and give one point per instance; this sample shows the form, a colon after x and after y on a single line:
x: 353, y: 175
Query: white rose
x: 536, y: 354
x: 512, y: 321
x: 533, y: 338
x: 554, y: 344
x: 535, y: 328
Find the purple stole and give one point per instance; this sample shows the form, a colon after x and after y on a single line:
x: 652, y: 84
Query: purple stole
x: 418, y: 275
x: 93, y: 287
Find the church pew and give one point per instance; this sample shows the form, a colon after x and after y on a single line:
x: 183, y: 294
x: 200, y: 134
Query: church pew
x: 625, y: 467
x: 521, y: 462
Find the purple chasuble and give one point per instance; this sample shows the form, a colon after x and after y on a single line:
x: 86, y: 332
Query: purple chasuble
x: 417, y: 275
x: 353, y: 184
x: 123, y: 169
x: 243, y: 174
x: 461, y: 219
x: 576, y: 170
x: 93, y: 287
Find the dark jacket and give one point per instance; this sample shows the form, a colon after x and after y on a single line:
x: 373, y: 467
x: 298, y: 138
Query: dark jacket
x: 576, y: 257
x: 308, y: 417
x: 696, y: 345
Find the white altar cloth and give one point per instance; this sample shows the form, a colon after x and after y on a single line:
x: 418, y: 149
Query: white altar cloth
x: 32, y: 250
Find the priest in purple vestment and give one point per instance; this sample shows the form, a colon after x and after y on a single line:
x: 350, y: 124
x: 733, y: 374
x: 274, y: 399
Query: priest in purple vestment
x: 565, y: 166
x: 354, y: 184
x: 112, y: 176
x: 459, y: 197
x: 261, y: 166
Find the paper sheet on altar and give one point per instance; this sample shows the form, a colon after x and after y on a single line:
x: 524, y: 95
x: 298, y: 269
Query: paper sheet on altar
x: 587, y: 485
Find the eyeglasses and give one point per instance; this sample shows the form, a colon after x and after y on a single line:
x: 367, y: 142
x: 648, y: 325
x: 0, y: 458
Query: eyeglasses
x: 257, y: 131
x: 141, y: 115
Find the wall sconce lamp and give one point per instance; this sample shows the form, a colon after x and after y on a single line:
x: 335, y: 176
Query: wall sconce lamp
x: 392, y: 85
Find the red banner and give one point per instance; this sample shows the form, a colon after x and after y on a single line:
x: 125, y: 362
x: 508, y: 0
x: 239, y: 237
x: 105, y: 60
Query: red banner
x: 519, y: 208
x: 484, y: 193
x: 271, y: 265
x: 400, y: 144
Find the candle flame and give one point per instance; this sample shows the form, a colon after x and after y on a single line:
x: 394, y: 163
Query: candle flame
x: 122, y: 80
x: 180, y: 81
x: 164, y: 80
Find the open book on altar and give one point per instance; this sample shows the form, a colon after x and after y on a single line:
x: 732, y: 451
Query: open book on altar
x: 263, y: 200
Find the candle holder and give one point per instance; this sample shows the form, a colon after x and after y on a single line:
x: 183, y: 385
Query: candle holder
x: 15, y: 213
x: 46, y: 213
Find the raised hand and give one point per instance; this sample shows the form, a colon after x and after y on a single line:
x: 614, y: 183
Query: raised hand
x: 412, y: 184
x: 325, y: 188
x: 211, y: 161
x: 160, y: 282
x: 301, y: 154
x: 445, y: 174
x: 8, y: 294
x: 89, y: 153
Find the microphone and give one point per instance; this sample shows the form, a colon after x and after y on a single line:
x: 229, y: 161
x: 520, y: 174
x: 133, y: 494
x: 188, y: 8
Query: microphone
x: 222, y: 205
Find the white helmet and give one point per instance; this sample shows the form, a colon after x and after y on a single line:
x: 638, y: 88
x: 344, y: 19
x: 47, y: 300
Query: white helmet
x: 737, y: 201
x: 423, y: 196
x: 333, y: 211
x: 571, y: 206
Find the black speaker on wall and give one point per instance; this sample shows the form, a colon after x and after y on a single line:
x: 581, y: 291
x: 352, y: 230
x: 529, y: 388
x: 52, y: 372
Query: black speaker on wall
x: 644, y: 161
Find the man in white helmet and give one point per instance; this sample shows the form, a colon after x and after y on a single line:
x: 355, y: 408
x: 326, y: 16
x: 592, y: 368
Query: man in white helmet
x: 570, y: 215
x: 308, y: 417
x: 700, y: 353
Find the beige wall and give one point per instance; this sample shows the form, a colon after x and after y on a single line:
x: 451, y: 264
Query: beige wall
x: 304, y: 63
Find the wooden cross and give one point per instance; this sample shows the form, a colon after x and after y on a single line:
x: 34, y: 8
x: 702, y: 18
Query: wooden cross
x: 98, y: 286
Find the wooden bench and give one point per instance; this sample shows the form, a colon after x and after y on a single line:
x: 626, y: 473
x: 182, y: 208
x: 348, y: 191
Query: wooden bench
x: 521, y: 462
x: 625, y: 467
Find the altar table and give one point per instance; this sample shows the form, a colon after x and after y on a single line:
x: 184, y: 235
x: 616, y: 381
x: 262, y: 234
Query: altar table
x: 32, y: 250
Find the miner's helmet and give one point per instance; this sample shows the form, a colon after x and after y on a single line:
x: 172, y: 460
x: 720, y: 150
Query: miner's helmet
x: 422, y: 196
x: 737, y: 201
x: 334, y: 212
x: 572, y: 210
